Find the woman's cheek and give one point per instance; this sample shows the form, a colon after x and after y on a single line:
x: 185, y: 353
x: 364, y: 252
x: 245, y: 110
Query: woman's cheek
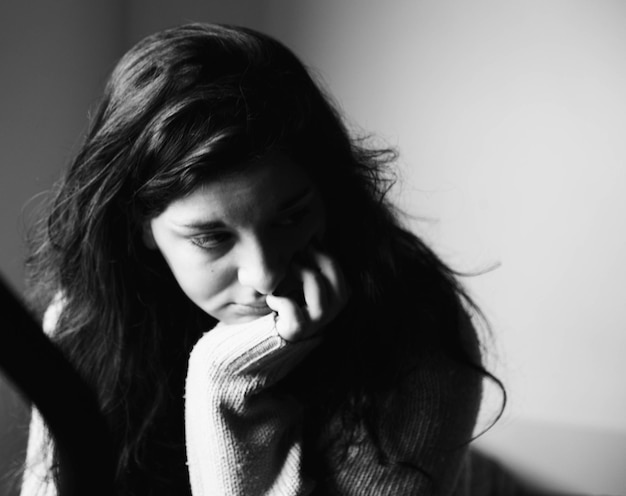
x: 209, y: 286
x: 190, y: 272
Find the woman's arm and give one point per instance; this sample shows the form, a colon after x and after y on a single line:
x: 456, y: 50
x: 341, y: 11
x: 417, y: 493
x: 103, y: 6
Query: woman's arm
x: 241, y: 437
x: 424, y: 430
x: 424, y: 423
x: 37, y: 479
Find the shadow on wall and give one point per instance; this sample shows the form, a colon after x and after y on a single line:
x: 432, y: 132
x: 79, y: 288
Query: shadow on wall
x: 560, y: 458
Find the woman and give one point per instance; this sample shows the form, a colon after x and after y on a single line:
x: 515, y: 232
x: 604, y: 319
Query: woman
x: 221, y: 263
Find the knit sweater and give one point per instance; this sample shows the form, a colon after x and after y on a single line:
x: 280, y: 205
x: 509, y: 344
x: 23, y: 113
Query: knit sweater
x: 244, y: 438
x: 241, y: 440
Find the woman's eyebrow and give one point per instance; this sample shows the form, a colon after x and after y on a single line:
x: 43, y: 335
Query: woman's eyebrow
x: 296, y: 199
x: 290, y: 202
x: 203, y: 225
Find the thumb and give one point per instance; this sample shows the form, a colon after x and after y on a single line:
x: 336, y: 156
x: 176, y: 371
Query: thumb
x: 291, y: 323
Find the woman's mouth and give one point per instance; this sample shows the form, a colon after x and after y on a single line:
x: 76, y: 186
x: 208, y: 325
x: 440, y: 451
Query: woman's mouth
x: 256, y: 308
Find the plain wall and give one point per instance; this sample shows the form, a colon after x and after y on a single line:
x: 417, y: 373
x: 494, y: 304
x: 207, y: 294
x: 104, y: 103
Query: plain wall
x: 509, y: 117
x: 54, y: 57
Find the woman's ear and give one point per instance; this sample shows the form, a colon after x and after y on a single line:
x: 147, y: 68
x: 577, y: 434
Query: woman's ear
x: 148, y: 236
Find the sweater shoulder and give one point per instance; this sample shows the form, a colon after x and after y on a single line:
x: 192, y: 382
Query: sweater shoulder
x: 51, y: 315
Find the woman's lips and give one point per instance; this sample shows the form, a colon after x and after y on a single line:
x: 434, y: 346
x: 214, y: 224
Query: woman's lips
x: 252, y: 309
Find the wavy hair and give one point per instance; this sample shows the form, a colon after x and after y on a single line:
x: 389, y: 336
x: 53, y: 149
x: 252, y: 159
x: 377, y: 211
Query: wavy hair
x: 182, y: 107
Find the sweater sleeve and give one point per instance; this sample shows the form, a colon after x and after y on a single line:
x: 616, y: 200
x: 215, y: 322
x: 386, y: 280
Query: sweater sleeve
x: 241, y: 436
x: 424, y: 427
x: 37, y: 478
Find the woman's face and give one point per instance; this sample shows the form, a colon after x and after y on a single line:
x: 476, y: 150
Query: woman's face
x: 232, y: 241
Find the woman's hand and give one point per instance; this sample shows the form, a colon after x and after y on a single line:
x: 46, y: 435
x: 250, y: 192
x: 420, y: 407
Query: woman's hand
x: 325, y: 293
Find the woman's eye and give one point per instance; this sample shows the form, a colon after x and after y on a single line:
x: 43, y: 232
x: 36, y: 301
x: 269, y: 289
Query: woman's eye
x: 292, y: 218
x: 210, y: 240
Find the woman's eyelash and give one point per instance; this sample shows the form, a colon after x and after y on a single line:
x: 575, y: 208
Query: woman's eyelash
x: 294, y: 217
x: 213, y: 240
x: 210, y: 240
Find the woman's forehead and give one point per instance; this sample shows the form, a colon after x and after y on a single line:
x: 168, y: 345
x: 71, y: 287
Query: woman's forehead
x: 263, y: 188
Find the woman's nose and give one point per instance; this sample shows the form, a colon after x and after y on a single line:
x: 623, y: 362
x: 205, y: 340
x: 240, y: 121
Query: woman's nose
x: 261, y: 267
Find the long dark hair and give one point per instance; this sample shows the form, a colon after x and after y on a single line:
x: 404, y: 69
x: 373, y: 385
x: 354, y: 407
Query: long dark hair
x: 184, y: 106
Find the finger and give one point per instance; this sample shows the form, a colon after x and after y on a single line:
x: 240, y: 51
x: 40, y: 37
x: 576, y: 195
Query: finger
x: 314, y: 288
x: 291, y: 322
x: 334, y: 276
